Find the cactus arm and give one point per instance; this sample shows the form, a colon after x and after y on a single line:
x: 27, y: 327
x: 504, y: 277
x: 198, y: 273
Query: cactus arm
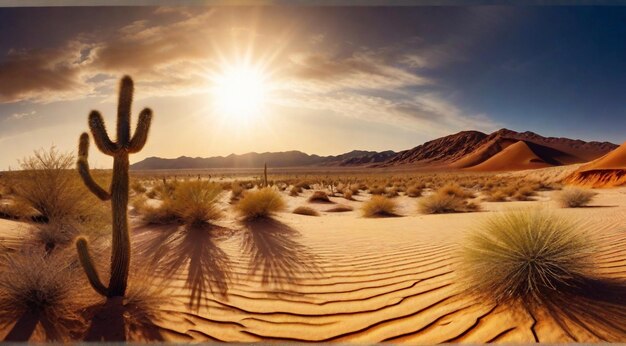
x: 100, y: 136
x: 141, y: 132
x: 83, y: 169
x: 124, y: 104
x: 87, y: 264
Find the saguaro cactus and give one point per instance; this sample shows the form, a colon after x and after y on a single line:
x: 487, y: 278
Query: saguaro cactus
x: 118, y: 193
x: 265, y: 175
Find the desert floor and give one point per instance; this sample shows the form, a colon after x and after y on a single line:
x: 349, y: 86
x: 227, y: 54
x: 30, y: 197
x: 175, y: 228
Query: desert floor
x: 340, y: 277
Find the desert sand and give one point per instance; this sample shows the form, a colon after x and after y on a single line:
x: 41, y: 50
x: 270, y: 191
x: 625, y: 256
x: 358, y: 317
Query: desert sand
x: 344, y: 278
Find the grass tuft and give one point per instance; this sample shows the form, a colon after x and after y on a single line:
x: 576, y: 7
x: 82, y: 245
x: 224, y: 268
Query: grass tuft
x: 380, y: 206
x: 573, y: 197
x: 319, y: 197
x: 260, y: 204
x: 525, y: 255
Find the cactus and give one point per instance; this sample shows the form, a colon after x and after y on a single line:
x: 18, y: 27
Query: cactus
x: 118, y: 193
x: 265, y: 175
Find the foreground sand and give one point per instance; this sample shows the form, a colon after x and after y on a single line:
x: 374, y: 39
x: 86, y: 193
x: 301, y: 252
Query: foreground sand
x: 344, y: 278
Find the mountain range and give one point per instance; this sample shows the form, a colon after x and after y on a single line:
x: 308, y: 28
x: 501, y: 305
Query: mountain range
x: 472, y: 150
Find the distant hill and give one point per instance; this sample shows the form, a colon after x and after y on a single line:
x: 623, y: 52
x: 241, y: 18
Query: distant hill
x: 255, y: 160
x: 470, y: 148
x: 462, y: 150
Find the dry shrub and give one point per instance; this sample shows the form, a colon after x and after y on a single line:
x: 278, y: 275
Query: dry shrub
x: 573, y: 197
x: 138, y: 187
x: 525, y: 255
x: 306, y: 211
x: 260, y: 204
x: 295, y: 191
x: 442, y: 203
x: 341, y: 208
x: 524, y: 193
x: 379, y: 206
x: 347, y: 194
x: 319, y: 197
x: 53, y: 188
x: 192, y: 203
x: 377, y: 190
x: 496, y: 196
x: 39, y: 289
x: 414, y: 191
x: 391, y: 193
x: 453, y: 189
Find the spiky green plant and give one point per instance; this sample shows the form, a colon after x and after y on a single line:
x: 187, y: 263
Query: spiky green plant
x: 526, y: 255
x: 118, y: 193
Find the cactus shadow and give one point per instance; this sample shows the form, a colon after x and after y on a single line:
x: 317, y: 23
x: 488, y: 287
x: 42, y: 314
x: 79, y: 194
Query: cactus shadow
x: 117, y: 320
x: 276, y: 253
x: 172, y: 249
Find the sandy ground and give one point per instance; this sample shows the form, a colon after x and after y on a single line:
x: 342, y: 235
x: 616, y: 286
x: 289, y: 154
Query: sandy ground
x: 344, y: 278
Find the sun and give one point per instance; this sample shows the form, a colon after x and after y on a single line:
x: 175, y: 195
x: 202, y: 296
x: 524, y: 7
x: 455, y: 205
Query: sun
x: 240, y: 91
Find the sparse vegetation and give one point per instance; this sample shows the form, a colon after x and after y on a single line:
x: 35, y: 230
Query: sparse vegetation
x: 46, y: 287
x: 380, y: 206
x: 573, y: 197
x: 303, y: 210
x: 525, y: 255
x: 340, y: 208
x: 319, y: 197
x: 260, y: 204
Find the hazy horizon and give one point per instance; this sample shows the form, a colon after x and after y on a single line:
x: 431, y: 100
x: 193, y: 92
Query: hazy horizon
x: 321, y: 80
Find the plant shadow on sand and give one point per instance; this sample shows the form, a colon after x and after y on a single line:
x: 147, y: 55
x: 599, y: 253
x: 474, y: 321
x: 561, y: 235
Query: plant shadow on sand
x: 172, y: 249
x: 595, y: 305
x: 133, y: 317
x: 276, y: 253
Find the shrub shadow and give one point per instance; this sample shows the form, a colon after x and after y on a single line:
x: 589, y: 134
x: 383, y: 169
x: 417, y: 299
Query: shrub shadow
x: 275, y: 252
x: 596, y: 305
x: 172, y: 249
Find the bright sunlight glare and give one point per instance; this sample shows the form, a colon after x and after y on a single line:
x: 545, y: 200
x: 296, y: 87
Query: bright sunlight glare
x: 240, y: 92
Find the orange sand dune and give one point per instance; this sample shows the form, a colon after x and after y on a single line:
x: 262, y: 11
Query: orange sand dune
x: 607, y: 171
x: 516, y: 156
x: 615, y: 159
x: 483, y: 153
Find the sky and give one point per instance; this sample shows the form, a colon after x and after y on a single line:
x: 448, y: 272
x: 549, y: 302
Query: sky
x: 322, y: 80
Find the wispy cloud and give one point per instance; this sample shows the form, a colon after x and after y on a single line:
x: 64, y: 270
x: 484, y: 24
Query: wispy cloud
x: 174, y: 57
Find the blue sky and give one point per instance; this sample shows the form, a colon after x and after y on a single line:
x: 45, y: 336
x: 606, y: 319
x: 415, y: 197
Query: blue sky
x: 337, y: 78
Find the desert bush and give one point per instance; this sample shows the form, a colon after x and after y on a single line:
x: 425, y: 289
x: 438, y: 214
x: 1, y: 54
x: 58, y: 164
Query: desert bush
x: 152, y: 194
x: 377, y: 190
x: 295, y: 191
x: 319, y: 197
x: 52, y: 187
x: 525, y: 255
x: 524, y: 193
x: 414, y: 191
x: 573, y: 197
x: 192, y: 203
x: 55, y: 234
x: 306, y: 211
x: 138, y: 187
x: 453, y: 189
x: 439, y: 203
x: 380, y: 206
x: 341, y: 208
x: 260, y: 204
x: 347, y: 194
x: 496, y: 196
x: 47, y: 286
x: 391, y: 193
